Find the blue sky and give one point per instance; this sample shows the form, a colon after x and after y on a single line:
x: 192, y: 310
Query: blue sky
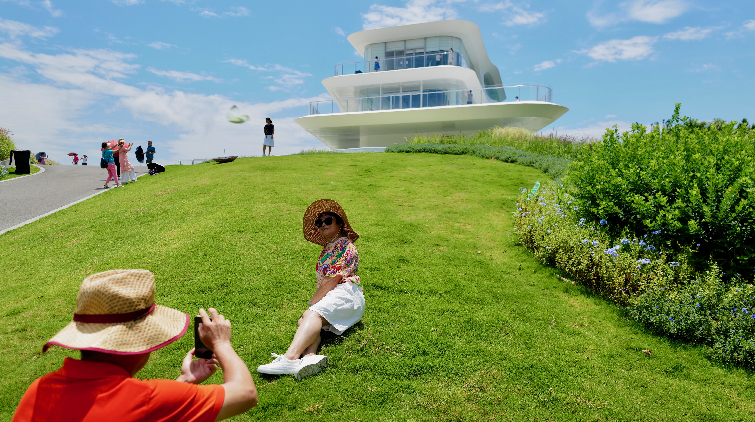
x: 76, y: 73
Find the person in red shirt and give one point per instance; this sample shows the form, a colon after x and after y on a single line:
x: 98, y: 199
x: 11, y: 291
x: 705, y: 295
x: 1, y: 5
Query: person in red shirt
x: 116, y: 326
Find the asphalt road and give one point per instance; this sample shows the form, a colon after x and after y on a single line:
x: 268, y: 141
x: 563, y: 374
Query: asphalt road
x: 25, y: 199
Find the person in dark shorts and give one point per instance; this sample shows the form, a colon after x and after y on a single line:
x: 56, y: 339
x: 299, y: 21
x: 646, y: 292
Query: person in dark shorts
x: 150, y: 152
x: 269, y: 132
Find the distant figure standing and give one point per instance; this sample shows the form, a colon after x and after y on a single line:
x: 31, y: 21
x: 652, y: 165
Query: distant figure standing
x: 516, y: 98
x: 75, y: 160
x: 117, y: 158
x: 150, y: 152
x: 451, y: 57
x: 470, y: 97
x: 377, y: 64
x: 269, y: 132
x: 84, y: 160
x: 107, y: 155
x: 42, y: 158
x: 126, y: 166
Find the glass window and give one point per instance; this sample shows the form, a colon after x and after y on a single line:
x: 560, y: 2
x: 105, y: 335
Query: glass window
x: 394, y: 46
x: 418, y: 43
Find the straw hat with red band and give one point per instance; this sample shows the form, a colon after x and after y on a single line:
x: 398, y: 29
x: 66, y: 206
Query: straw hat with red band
x: 116, y: 313
x: 314, y: 211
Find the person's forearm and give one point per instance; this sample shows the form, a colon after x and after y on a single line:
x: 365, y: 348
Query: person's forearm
x: 327, y: 285
x: 240, y: 391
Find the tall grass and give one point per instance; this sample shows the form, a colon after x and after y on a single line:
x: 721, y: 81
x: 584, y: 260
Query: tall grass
x: 563, y: 146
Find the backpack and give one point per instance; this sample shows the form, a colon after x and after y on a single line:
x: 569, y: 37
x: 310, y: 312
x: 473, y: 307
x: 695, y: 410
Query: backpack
x: 103, y: 163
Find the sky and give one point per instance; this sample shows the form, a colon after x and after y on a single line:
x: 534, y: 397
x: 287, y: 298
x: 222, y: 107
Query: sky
x: 76, y: 73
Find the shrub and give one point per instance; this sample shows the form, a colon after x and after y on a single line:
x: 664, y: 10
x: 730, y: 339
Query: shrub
x: 6, y: 144
x: 688, y: 182
x: 551, y: 165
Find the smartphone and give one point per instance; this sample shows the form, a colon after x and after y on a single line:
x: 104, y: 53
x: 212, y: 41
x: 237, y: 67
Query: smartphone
x: 200, y: 350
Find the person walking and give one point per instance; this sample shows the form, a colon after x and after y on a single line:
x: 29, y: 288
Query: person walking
x: 43, y: 159
x: 127, y: 168
x: 150, y: 152
x: 117, y: 158
x: 84, y: 160
x: 377, y: 64
x: 75, y: 160
x: 269, y: 132
x: 107, y: 155
x: 116, y: 326
x: 337, y: 304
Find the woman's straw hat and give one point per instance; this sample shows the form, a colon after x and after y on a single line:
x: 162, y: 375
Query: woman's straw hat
x: 116, y: 313
x: 312, y: 233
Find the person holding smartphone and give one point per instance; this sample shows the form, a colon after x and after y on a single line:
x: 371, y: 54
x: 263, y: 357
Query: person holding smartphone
x: 116, y: 325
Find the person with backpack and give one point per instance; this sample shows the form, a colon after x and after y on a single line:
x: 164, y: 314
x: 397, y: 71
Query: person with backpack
x: 112, y: 173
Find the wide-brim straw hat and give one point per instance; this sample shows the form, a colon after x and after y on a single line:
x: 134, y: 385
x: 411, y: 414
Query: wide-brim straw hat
x: 116, y: 313
x: 318, y: 207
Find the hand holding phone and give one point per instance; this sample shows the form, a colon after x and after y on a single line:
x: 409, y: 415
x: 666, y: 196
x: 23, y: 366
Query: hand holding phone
x: 200, y: 350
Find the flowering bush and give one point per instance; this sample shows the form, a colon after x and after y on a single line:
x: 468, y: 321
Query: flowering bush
x: 6, y: 144
x: 691, y: 182
x: 662, y: 292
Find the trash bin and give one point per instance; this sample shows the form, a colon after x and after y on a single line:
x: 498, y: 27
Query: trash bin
x: 22, y: 161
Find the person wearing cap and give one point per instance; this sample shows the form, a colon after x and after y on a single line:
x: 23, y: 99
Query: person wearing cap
x: 116, y: 326
x: 337, y: 304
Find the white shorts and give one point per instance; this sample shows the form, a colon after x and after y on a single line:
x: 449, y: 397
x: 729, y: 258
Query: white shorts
x: 342, y: 307
x: 269, y: 142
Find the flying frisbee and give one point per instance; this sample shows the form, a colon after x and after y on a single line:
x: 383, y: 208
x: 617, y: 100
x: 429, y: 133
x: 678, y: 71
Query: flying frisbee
x: 234, y: 115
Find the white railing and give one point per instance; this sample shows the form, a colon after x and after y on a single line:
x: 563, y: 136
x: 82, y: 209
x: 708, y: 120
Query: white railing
x: 193, y: 161
x: 409, y: 100
x: 441, y: 58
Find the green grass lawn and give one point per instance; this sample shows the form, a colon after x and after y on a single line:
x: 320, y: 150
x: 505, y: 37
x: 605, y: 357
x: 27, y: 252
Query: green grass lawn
x: 460, y: 324
x: 12, y: 173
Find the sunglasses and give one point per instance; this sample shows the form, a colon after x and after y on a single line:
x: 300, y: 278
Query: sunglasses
x: 327, y: 221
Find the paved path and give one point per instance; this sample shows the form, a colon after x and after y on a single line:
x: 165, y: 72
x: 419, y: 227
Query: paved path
x: 25, y: 199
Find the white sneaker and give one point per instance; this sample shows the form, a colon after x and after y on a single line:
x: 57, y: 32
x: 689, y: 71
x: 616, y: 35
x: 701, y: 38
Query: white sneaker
x: 311, y: 365
x: 280, y: 366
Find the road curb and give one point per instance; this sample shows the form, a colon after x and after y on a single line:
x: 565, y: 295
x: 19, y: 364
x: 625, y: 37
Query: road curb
x: 41, y: 170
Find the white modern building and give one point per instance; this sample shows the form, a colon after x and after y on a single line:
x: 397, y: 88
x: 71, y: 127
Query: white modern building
x: 430, y: 78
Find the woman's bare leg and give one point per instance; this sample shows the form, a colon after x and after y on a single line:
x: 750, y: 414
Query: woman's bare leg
x: 306, y: 335
x: 312, y: 349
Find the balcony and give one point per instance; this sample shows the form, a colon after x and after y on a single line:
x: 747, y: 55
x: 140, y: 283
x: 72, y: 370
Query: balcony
x: 413, y: 100
x: 440, y: 58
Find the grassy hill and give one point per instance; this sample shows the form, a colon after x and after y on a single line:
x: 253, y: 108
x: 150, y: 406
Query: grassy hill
x: 461, y: 324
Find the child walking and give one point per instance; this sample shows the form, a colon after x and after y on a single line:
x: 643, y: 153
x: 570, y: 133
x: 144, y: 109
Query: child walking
x: 112, y: 173
x: 126, y: 167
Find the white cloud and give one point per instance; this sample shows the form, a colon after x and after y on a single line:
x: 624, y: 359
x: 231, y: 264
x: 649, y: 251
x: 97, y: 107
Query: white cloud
x: 340, y: 32
x: 747, y: 26
x: 16, y: 29
x: 237, y: 11
x: 47, y: 4
x: 547, y: 64
x: 126, y: 2
x: 159, y: 45
x: 208, y: 14
x: 79, y: 88
x: 705, y: 68
x: 610, y: 116
x: 416, y: 11
x: 689, y: 33
x: 287, y: 78
x: 183, y: 76
x: 514, y: 15
x: 650, y: 11
x: 636, y: 48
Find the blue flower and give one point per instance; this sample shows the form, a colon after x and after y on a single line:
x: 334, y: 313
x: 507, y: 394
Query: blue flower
x: 656, y: 232
x: 624, y: 241
x: 650, y: 248
x: 548, y: 231
x: 585, y: 240
x: 603, y: 222
x: 576, y: 208
x: 642, y: 243
x: 643, y: 261
x: 674, y: 264
x: 541, y: 218
x: 581, y: 222
x: 595, y: 243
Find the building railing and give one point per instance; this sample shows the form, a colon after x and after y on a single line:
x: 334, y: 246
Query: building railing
x: 409, y: 100
x: 440, y: 58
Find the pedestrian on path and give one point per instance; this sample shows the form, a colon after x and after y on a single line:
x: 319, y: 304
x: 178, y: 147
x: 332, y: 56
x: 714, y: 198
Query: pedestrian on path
x: 127, y: 169
x: 117, y: 158
x: 269, y: 132
x: 150, y: 152
x: 107, y: 155
x: 75, y: 159
x: 84, y: 160
x: 42, y: 159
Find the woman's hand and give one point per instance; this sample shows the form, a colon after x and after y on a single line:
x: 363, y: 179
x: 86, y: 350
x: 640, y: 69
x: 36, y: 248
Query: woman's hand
x: 196, y: 371
x: 328, y: 284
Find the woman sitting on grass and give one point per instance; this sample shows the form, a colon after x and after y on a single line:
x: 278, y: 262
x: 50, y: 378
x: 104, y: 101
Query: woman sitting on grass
x: 338, y: 302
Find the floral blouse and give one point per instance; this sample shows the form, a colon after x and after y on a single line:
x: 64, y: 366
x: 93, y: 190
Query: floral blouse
x: 340, y: 257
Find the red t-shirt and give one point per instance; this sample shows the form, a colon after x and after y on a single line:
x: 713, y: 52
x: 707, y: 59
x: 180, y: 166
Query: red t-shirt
x: 95, y: 391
